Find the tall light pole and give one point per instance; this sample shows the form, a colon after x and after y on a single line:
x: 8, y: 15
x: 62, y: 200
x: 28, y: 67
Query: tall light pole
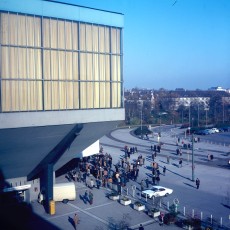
x: 141, y: 124
x: 193, y: 167
x: 206, y: 116
x: 198, y: 115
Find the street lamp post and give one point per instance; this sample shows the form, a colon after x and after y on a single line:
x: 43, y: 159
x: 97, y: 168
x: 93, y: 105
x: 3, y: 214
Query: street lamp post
x: 193, y: 167
x: 141, y: 125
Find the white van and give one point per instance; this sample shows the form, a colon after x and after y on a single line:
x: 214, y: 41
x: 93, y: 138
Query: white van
x: 61, y: 192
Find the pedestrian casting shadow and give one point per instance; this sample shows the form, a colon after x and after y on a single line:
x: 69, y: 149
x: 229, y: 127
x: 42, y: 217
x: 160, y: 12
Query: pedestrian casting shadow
x: 204, y: 159
x: 163, y: 162
x: 148, y: 167
x: 70, y: 219
x: 83, y: 198
x: 168, y: 170
x: 176, y: 165
x: 189, y: 185
x: 226, y: 206
x: 148, y: 174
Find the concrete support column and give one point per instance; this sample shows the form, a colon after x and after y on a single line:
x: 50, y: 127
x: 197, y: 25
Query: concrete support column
x: 47, y: 185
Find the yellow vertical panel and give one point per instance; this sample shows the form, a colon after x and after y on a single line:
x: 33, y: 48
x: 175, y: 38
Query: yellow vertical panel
x: 118, y: 68
x: 61, y: 34
x: 102, y: 95
x: 46, y: 64
x: 75, y: 35
x: 107, y: 94
x: 15, y: 96
x: 5, y: 64
x: 37, y: 29
x: 4, y: 29
x: 118, y: 39
x: 46, y: 32
x: 31, y: 63
x: 96, y: 67
x: 47, y: 95
x: 113, y: 40
x: 22, y: 63
x: 13, y: 29
x: 90, y: 92
x: 23, y: 95
x: 31, y: 95
x: 75, y: 66
x: 114, y: 95
x: 76, y: 95
x: 83, y: 95
x: 89, y: 38
x: 82, y: 37
x: 68, y: 35
x: 30, y: 31
x: 69, y: 92
x: 54, y: 65
x: 53, y: 33
x: 33, y: 31
x: 38, y: 64
x: 22, y: 30
x: 62, y: 95
x: 107, y: 68
x: 95, y: 38
x: 102, y: 67
x: 119, y: 95
x: 13, y: 61
x: 114, y: 68
x: 55, y: 95
x: 107, y: 40
x: 6, y: 95
x: 89, y: 67
x: 39, y: 96
x: 83, y: 66
x: 96, y: 95
x: 69, y: 65
x: 61, y: 65
x: 101, y: 39
x: 34, y: 95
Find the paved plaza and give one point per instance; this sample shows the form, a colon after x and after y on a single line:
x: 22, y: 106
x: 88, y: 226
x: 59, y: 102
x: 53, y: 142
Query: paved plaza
x: 108, y: 214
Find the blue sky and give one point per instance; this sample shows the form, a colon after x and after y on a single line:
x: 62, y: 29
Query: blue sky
x: 173, y: 44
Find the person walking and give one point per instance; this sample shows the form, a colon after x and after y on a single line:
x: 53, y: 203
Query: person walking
x: 197, y: 183
x: 90, y: 197
x: 142, y: 185
x: 158, y: 180
x: 86, y: 196
x: 168, y: 159
x: 180, y: 163
x: 141, y: 227
x: 147, y: 182
x: 76, y: 220
x: 164, y: 170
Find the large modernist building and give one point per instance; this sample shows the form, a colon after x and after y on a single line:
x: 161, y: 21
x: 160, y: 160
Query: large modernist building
x: 61, y: 87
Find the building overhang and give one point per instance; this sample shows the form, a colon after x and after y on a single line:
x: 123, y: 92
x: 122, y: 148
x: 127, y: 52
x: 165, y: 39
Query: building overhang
x: 45, y: 118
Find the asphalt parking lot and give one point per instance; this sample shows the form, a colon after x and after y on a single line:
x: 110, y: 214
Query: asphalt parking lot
x: 108, y: 214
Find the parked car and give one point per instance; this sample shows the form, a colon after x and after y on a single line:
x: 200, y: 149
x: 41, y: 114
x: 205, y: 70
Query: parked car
x: 226, y: 129
x: 214, y: 130
x: 203, y: 132
x: 156, y: 191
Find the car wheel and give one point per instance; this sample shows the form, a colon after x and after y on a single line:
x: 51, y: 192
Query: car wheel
x: 166, y: 194
x: 65, y: 201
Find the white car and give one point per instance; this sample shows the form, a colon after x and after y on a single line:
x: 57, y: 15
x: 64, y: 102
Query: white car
x: 215, y: 130
x: 156, y: 191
